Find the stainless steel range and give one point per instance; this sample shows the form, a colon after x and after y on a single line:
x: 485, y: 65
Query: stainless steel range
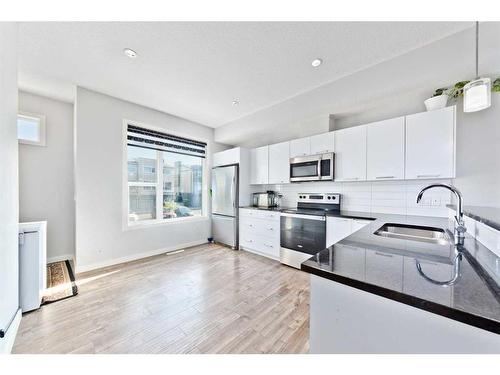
x: 303, y: 230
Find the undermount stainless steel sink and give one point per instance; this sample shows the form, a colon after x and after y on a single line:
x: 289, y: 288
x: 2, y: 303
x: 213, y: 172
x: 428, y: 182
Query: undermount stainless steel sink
x: 414, y: 233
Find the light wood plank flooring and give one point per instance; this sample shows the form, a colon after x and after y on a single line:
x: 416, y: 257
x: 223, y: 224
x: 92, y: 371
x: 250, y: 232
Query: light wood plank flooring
x: 207, y: 299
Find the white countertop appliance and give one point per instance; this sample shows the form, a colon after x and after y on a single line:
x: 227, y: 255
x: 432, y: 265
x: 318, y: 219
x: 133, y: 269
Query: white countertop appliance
x: 303, y: 230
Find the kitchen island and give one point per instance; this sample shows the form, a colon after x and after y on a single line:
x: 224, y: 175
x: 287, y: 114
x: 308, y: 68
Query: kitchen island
x: 376, y: 294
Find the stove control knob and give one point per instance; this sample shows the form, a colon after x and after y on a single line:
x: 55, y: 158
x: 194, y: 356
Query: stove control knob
x: 329, y: 197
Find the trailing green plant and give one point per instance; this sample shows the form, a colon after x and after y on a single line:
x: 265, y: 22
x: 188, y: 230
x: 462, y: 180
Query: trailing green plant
x: 495, y: 87
x: 457, y: 90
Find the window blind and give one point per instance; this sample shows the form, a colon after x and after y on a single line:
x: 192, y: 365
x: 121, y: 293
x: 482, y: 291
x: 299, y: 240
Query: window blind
x: 152, y: 139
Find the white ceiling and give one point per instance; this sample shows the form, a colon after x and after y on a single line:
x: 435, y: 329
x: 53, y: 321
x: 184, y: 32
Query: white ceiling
x: 195, y: 70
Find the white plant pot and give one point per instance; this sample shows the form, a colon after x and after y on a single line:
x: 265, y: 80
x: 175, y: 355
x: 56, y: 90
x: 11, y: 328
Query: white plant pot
x: 436, y: 102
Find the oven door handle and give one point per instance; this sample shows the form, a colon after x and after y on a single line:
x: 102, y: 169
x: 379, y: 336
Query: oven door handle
x: 306, y: 217
x: 319, y: 167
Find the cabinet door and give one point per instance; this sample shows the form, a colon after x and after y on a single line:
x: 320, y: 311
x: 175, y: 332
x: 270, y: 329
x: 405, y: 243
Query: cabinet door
x: 259, y: 168
x: 350, y: 154
x: 385, y: 149
x: 337, y: 228
x: 300, y: 147
x: 226, y: 157
x: 322, y: 143
x: 279, y: 163
x: 357, y: 224
x: 430, y: 144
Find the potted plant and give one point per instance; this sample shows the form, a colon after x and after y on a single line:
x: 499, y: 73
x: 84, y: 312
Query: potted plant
x: 169, y: 208
x: 438, y: 100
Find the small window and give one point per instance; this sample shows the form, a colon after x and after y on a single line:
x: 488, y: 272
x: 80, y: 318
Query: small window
x: 31, y: 129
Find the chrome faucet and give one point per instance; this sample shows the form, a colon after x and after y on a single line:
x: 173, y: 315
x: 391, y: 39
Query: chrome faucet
x: 459, y: 232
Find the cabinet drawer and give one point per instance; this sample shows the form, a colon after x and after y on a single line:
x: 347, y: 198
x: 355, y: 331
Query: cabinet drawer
x: 259, y: 214
x: 259, y: 227
x: 261, y: 245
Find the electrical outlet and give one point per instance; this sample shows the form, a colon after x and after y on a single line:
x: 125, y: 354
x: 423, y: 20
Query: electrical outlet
x: 435, y: 201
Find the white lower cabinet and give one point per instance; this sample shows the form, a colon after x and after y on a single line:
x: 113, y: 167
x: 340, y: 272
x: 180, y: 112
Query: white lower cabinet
x: 338, y: 228
x: 260, y: 232
x: 357, y: 224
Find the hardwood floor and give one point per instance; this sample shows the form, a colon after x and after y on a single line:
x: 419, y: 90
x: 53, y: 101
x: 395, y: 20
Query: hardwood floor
x: 207, y: 299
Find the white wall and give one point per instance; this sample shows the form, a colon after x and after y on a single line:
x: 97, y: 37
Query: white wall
x: 9, y: 208
x: 100, y: 237
x: 46, y: 189
x: 414, y: 74
x: 478, y: 155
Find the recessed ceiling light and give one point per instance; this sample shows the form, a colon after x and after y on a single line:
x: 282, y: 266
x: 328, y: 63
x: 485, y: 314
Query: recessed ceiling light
x: 316, y: 62
x: 130, y: 53
x: 236, y: 102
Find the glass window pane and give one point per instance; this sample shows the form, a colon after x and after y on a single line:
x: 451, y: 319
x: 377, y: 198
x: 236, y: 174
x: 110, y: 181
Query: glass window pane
x: 182, y: 185
x: 142, y: 203
x: 141, y: 164
x: 28, y: 128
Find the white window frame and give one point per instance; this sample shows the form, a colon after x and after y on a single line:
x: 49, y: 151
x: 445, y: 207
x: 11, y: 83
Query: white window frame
x: 126, y: 224
x: 41, y: 128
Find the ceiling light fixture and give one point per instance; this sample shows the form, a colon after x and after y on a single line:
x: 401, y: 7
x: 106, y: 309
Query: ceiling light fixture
x: 130, y: 53
x: 236, y: 102
x: 477, y: 93
x: 316, y: 62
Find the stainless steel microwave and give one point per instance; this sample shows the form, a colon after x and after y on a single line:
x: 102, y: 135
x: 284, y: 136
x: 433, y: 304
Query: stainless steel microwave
x: 312, y: 168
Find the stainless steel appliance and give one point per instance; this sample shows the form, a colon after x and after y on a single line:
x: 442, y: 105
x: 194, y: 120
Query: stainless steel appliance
x: 225, y: 205
x: 312, y: 168
x: 267, y: 199
x: 303, y: 230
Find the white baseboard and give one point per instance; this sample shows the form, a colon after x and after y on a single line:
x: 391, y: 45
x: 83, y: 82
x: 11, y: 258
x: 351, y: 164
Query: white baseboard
x: 7, y: 342
x: 60, y: 258
x: 111, y: 262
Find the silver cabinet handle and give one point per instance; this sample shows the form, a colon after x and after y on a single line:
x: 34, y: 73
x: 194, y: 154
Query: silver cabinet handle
x: 384, y: 255
x: 351, y: 178
x: 270, y: 228
x: 427, y: 175
x: 269, y: 245
x: 384, y: 177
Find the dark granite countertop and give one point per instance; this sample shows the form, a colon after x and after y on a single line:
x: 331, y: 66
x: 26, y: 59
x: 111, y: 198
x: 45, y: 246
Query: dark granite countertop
x: 487, y: 215
x: 388, y: 267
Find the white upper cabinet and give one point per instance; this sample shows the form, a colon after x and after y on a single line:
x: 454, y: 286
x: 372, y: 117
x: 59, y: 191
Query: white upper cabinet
x: 279, y: 163
x: 430, y: 144
x: 350, y: 154
x: 322, y: 143
x: 300, y: 147
x: 226, y: 157
x: 385, y: 152
x: 259, y: 165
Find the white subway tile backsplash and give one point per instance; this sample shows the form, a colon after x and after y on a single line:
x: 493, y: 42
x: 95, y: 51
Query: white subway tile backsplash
x: 395, y: 197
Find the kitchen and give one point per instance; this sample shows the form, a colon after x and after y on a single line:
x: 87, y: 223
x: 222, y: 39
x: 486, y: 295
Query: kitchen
x: 251, y: 189
x: 376, y: 252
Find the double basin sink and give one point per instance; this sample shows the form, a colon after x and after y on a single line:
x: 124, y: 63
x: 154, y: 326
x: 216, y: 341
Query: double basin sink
x: 416, y: 233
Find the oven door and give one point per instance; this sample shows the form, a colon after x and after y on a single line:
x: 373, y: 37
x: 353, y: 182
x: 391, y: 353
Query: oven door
x: 303, y: 233
x: 307, y: 168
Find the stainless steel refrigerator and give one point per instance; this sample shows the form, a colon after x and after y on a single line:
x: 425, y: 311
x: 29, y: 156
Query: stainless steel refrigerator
x: 225, y: 205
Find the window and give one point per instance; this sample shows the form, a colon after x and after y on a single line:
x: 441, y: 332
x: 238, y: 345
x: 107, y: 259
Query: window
x: 165, y: 176
x: 31, y: 129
